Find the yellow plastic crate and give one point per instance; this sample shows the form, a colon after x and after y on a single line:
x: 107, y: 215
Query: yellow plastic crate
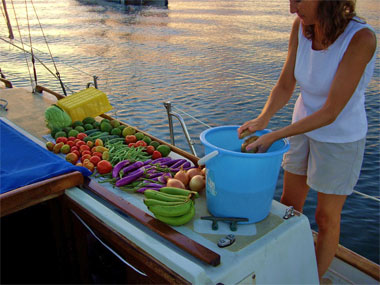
x: 89, y: 102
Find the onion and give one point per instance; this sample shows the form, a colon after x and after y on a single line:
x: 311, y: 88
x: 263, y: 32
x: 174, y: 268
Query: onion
x: 182, y: 176
x: 172, y: 182
x: 197, y: 183
x: 194, y: 171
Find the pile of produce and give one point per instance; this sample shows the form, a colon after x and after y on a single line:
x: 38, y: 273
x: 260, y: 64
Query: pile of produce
x: 130, y: 160
x: 173, y: 206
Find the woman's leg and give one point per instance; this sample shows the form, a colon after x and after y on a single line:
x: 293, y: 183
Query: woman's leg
x: 327, y: 216
x: 294, y: 191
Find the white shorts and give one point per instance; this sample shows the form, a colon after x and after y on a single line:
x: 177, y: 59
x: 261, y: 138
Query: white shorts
x: 331, y: 168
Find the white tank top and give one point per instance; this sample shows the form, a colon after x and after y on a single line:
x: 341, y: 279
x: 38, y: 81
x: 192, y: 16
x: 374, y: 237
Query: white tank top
x: 315, y: 71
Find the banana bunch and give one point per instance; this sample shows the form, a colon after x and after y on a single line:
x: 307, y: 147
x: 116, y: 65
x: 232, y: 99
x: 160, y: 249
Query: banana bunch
x: 173, y: 206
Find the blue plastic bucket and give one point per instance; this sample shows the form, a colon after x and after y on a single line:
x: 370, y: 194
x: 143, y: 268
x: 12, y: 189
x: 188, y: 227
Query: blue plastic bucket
x: 240, y: 184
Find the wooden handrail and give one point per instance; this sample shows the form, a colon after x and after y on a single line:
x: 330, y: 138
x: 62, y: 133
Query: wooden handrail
x: 32, y: 194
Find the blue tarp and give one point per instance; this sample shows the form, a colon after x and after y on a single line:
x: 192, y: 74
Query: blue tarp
x: 23, y: 162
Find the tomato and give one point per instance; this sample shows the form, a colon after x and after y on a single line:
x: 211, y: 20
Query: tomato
x: 78, y: 144
x: 84, y: 147
x: 99, y: 142
x: 61, y: 139
x: 131, y: 144
x: 130, y: 139
x: 81, y: 136
x: 97, y: 154
x: 74, y: 148
x: 70, y: 143
x: 76, y: 140
x: 75, y: 151
x: 86, y: 152
x: 156, y: 154
x: 90, y: 144
x: 104, y: 166
x: 95, y: 159
x: 141, y: 143
x: 72, y: 157
x: 50, y: 146
x: 65, y: 149
x: 88, y: 164
x: 71, y: 139
x: 150, y: 149
x: 86, y: 156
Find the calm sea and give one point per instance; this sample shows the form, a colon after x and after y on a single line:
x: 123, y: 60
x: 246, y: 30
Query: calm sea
x: 216, y: 61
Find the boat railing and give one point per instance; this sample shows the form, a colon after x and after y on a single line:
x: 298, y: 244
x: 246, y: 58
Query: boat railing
x: 171, y: 114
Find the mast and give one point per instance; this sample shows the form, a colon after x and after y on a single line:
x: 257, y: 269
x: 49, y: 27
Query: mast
x: 8, y: 21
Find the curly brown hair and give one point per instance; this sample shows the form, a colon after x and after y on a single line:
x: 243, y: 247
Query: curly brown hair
x: 333, y: 17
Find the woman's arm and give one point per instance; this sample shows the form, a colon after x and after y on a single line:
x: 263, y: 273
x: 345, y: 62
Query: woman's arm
x: 283, y: 89
x: 347, y: 77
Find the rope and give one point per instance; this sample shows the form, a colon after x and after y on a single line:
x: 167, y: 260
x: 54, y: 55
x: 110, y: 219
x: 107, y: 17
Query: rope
x: 367, y: 196
x: 22, y: 43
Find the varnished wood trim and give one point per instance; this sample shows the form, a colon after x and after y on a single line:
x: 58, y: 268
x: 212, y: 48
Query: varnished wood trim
x: 7, y: 83
x: 195, y: 249
x: 157, y: 271
x: 361, y: 263
x: 24, y: 197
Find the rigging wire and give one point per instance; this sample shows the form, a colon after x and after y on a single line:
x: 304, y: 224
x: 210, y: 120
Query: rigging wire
x: 22, y: 43
x: 31, y: 46
x: 40, y: 61
x: 42, y: 52
x: 51, y: 56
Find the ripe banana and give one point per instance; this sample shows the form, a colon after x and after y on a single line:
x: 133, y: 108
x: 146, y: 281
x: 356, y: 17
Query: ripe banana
x: 179, y: 220
x: 173, y: 210
x: 153, y: 194
x: 152, y: 202
x: 178, y: 191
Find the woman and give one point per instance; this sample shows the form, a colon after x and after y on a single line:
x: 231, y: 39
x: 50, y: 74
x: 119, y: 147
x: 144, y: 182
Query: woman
x: 331, y: 56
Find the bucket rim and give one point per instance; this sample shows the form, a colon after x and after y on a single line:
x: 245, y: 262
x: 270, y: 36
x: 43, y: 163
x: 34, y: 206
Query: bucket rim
x: 284, y: 149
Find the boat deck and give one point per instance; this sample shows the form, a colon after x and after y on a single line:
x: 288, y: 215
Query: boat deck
x: 271, y: 241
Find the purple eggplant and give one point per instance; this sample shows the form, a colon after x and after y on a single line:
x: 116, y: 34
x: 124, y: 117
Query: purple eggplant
x: 133, y: 166
x: 142, y: 190
x: 163, y: 177
x: 147, y: 161
x: 160, y: 160
x: 118, y: 167
x: 132, y: 176
x: 178, y: 163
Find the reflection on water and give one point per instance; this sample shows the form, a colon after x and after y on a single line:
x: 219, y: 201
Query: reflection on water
x: 215, y: 60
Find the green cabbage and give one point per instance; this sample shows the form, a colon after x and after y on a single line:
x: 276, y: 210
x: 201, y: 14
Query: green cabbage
x: 56, y: 117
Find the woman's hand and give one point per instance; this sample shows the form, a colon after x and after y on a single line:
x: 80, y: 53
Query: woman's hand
x: 251, y: 126
x: 263, y: 143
